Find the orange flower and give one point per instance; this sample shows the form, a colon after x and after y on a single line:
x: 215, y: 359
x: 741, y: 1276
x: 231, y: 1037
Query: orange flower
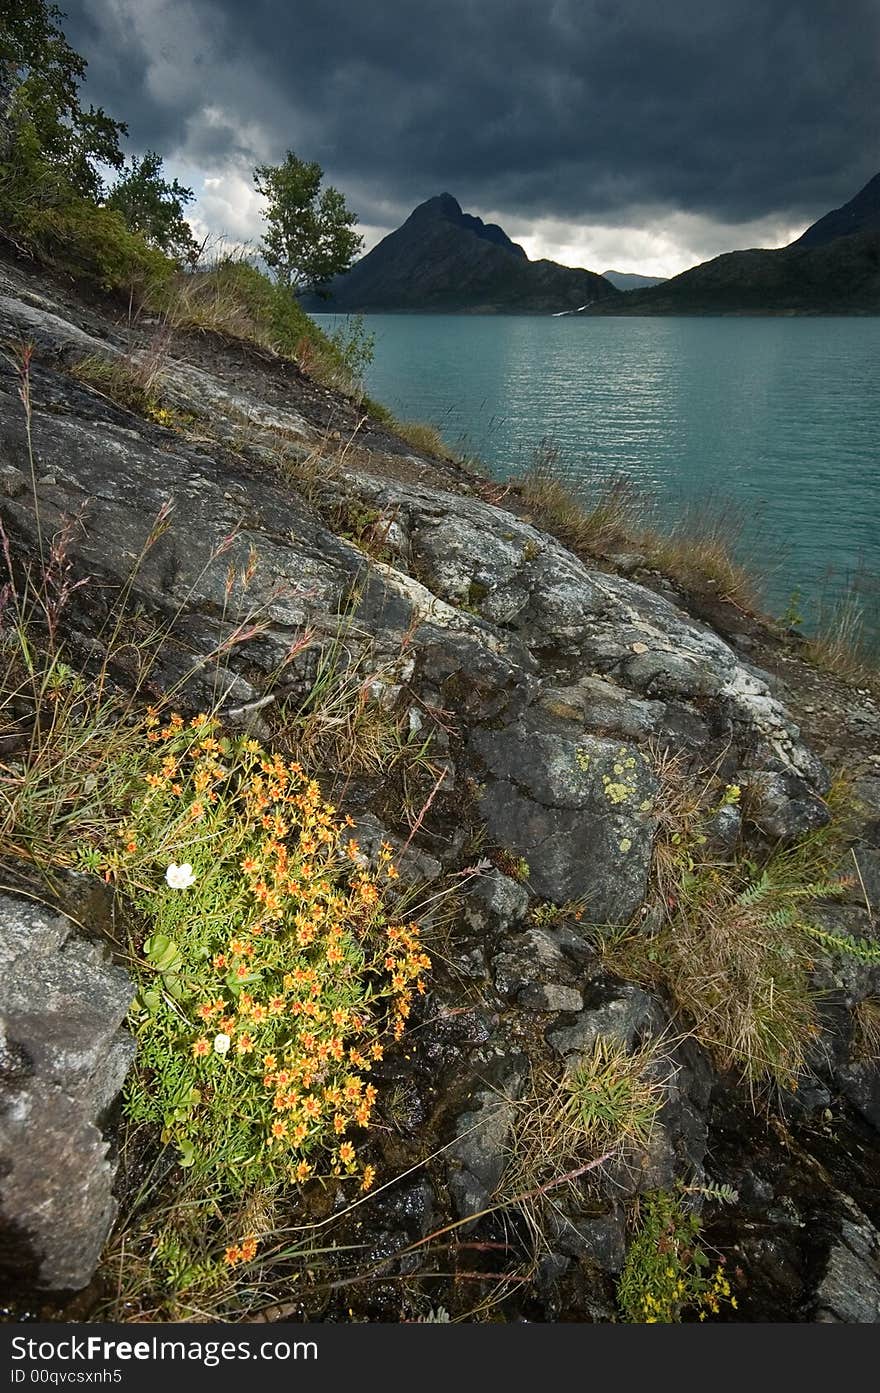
x: 278, y: 1130
x: 245, y: 1043
x: 248, y: 1249
x: 347, y: 1153
x: 201, y: 1048
x: 303, y: 1171
x: 368, y: 1177
x: 232, y: 1255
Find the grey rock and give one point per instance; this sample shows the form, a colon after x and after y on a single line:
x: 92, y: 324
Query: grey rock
x: 600, y: 1241
x: 63, y: 1060
x: 414, y: 865
x: 477, y: 1156
x: 860, y: 1083
x: 495, y: 901
x: 528, y: 959
x: 618, y: 1012
x: 864, y: 868
x: 724, y: 827
x: 549, y: 996
x: 600, y: 704
x: 782, y: 805
x: 577, y: 807
x: 849, y: 1292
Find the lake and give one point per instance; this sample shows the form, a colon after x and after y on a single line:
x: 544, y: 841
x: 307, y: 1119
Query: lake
x: 778, y: 417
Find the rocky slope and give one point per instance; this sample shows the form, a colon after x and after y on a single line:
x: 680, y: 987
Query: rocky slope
x: 551, y: 689
x: 837, y: 277
x: 860, y: 214
x: 630, y: 280
x: 442, y: 259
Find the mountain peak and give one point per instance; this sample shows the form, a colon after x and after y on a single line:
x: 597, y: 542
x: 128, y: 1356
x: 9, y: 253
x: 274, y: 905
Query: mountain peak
x: 443, y: 207
x: 447, y: 260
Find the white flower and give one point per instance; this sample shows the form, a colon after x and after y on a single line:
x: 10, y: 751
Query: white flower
x: 221, y: 1044
x: 179, y: 877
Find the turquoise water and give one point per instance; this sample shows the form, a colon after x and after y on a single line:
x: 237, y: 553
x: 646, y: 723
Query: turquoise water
x: 780, y: 417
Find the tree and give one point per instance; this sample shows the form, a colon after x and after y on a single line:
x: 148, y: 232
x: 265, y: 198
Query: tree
x: 310, y: 234
x: 154, y: 207
x: 45, y: 130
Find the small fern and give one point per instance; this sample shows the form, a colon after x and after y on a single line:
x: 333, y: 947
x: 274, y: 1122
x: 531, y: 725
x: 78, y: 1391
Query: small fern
x: 855, y: 947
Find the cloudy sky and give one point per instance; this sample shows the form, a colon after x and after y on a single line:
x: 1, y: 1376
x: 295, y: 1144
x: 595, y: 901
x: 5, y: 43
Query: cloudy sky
x: 629, y: 134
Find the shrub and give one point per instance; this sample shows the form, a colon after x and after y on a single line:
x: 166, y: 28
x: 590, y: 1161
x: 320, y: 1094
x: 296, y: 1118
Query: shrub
x: 667, y: 1273
x: 87, y: 241
x: 270, y: 972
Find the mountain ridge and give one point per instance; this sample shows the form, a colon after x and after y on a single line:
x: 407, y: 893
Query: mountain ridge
x: 442, y: 259
x: 860, y: 214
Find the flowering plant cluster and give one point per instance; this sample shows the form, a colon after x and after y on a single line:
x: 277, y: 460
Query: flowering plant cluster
x: 272, y: 974
x: 667, y: 1273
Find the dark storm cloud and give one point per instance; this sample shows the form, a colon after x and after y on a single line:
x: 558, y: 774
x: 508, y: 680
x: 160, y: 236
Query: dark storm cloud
x: 579, y: 110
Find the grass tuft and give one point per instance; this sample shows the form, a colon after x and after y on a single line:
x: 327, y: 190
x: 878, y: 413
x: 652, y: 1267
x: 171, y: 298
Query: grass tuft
x: 605, y: 1107
x: 735, y: 946
x: 612, y: 514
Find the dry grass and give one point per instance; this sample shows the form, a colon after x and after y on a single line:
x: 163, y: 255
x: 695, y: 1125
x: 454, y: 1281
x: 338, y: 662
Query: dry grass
x: 423, y: 437
x: 585, y: 520
x: 351, y: 720
x: 605, y: 1107
x: 866, y: 1031
x: 613, y: 514
x: 842, y: 644
x: 132, y: 383
x: 697, y: 552
x: 734, y: 949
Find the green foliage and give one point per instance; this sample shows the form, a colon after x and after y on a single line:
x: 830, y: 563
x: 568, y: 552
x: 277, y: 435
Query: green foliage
x: 612, y: 1100
x: 154, y: 207
x: 47, y: 131
x: 270, y: 971
x: 92, y: 242
x: 667, y: 1273
x: 52, y: 153
x: 792, y: 616
x: 309, y: 234
x: 354, y: 345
